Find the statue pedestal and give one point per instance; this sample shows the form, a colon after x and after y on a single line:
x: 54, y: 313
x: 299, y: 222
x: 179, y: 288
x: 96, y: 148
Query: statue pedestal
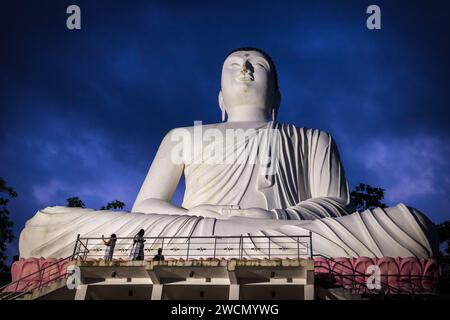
x: 176, y: 279
x: 221, y: 279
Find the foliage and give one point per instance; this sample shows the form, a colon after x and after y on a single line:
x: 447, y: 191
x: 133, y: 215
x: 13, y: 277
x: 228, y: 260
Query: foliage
x: 443, y: 230
x: 365, y: 197
x: 75, y: 202
x: 116, y: 204
x: 6, y: 232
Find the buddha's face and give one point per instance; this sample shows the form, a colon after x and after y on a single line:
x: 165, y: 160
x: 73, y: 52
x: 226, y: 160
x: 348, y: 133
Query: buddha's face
x: 247, y: 81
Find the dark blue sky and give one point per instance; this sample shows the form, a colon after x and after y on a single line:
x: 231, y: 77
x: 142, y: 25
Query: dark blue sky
x: 83, y: 112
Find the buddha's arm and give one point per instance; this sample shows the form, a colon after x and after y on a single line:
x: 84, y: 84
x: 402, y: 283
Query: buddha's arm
x: 161, y: 182
x: 328, y: 187
x: 315, y: 208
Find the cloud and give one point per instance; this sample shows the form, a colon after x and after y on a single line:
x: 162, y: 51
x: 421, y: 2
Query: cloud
x: 47, y: 193
x: 411, y: 170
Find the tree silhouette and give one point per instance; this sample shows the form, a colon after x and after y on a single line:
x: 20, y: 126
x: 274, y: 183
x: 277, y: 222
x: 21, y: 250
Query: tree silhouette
x: 365, y: 197
x: 6, y: 232
x: 443, y: 230
x: 116, y: 204
x: 75, y: 202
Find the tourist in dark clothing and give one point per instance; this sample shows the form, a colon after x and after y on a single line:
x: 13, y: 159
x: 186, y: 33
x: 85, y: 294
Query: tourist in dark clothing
x: 159, y: 256
x: 137, y: 251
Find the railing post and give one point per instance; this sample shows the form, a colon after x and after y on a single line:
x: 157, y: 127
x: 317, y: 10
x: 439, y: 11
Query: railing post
x: 86, y: 250
x: 41, y: 276
x: 310, y: 245
x: 188, y: 245
x: 269, y: 245
x: 215, y: 245
x: 75, y: 248
x: 298, y: 248
x: 17, y: 286
x: 241, y: 243
x: 331, y: 276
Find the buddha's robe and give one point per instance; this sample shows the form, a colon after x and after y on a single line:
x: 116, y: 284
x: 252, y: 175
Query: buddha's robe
x: 304, y: 165
x: 304, y: 183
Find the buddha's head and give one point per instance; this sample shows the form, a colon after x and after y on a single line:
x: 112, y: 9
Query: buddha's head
x: 249, y: 81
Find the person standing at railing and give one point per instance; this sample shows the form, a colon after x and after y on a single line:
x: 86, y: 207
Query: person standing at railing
x: 137, y: 251
x: 110, y: 244
x: 159, y: 256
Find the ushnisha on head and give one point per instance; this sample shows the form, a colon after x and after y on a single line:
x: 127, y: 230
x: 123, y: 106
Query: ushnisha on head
x: 249, y: 86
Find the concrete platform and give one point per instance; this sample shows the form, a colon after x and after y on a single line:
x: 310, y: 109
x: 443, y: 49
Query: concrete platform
x: 218, y: 279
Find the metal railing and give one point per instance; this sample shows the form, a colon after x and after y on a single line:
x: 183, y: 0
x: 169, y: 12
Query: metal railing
x: 240, y: 247
x: 356, y: 282
x: 197, y: 247
x: 51, y: 273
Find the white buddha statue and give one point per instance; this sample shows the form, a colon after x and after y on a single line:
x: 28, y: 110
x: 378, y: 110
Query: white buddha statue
x: 245, y: 175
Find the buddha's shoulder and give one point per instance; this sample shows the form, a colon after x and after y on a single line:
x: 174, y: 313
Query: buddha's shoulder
x: 309, y: 133
x: 179, y: 132
x: 202, y: 128
x: 191, y: 129
x: 289, y: 129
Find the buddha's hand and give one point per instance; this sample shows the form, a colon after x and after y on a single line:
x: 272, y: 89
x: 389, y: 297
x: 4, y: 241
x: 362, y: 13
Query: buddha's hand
x: 210, y: 210
x: 258, y: 213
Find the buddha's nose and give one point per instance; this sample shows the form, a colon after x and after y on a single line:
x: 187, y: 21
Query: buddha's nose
x: 245, y: 68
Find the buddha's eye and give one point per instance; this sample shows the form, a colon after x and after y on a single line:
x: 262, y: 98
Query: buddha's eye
x: 235, y: 65
x: 260, y: 65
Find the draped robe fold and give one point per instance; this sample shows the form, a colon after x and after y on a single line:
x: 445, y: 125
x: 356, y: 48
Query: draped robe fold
x: 303, y: 183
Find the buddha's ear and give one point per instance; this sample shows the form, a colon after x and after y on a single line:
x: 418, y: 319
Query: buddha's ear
x: 222, y: 105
